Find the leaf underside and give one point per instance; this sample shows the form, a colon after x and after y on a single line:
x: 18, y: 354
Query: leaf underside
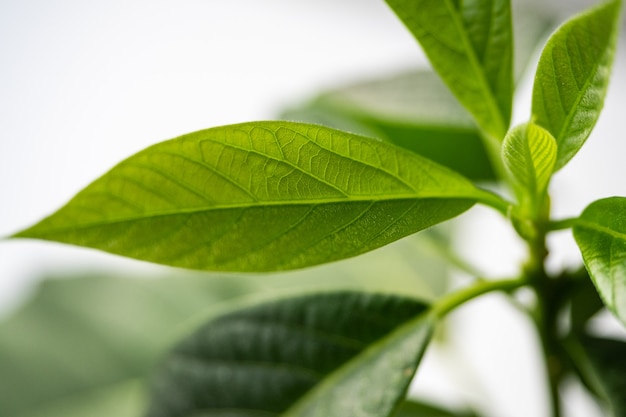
x: 334, y: 354
x: 601, y: 237
x: 470, y: 45
x: 572, y: 78
x: 258, y: 197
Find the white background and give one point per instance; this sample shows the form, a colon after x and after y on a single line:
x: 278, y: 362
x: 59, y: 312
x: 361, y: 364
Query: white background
x: 84, y: 84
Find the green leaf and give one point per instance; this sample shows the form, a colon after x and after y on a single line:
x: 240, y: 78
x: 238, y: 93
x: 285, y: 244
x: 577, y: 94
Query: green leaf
x: 470, y: 44
x: 258, y: 197
x: 572, y: 78
x: 126, y: 399
x: 334, y: 354
x: 601, y: 236
x: 81, y: 346
x: 529, y: 154
x: 412, y: 408
x: 414, y: 110
x: 608, y: 362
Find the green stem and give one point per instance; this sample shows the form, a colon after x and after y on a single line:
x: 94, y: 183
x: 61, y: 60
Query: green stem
x: 546, y: 327
x: 457, y: 298
x: 562, y: 224
x: 548, y: 292
x: 495, y: 201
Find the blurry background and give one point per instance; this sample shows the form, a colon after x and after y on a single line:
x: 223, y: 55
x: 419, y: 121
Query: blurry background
x: 85, y: 84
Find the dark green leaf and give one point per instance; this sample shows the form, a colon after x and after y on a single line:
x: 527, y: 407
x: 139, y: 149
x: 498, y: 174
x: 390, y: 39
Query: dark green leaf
x: 585, y: 302
x: 257, y: 197
x: 529, y: 153
x: 414, y: 110
x: 601, y: 235
x: 572, y: 78
x: 470, y: 44
x: 335, y: 354
x: 608, y: 362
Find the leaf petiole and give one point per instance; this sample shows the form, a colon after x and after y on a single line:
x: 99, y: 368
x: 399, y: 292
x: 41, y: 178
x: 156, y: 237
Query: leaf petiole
x: 494, y: 201
x: 562, y: 224
x: 460, y: 297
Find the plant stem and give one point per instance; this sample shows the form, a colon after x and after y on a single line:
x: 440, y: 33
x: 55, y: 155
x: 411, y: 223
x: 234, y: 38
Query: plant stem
x: 548, y: 292
x: 546, y: 327
x: 457, y: 298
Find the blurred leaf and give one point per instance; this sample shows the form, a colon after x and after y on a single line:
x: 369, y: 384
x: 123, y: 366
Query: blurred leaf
x: 333, y: 354
x: 127, y: 399
x: 572, y: 77
x: 414, y: 110
x: 85, y: 338
x: 601, y: 236
x: 585, y: 302
x: 470, y: 45
x: 93, y: 323
x: 260, y: 196
x: 608, y: 362
x: 413, y: 408
x: 530, y: 28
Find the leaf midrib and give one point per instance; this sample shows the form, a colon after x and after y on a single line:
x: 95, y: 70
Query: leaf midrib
x: 479, y: 71
x: 600, y: 228
x: 405, y: 328
x: 254, y: 204
x: 582, y: 91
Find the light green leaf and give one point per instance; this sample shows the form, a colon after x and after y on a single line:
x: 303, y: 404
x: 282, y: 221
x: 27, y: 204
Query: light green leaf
x: 572, y: 78
x: 258, y: 197
x: 529, y: 154
x: 127, y: 399
x: 608, y: 362
x: 335, y: 354
x: 601, y: 236
x: 470, y: 44
x: 414, y: 110
x: 412, y: 408
x: 81, y: 346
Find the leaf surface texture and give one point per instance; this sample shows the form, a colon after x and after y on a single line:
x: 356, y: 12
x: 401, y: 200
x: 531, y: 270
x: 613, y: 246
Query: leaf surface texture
x: 327, y: 354
x: 258, y: 197
x: 572, y: 78
x: 601, y: 237
x: 529, y: 154
x: 470, y: 45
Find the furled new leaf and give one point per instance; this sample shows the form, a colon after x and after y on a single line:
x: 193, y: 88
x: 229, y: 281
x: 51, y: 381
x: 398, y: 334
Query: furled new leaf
x: 470, y: 45
x: 601, y: 235
x: 529, y: 153
x: 608, y: 362
x: 572, y: 78
x: 414, y: 110
x: 257, y: 197
x: 333, y: 354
